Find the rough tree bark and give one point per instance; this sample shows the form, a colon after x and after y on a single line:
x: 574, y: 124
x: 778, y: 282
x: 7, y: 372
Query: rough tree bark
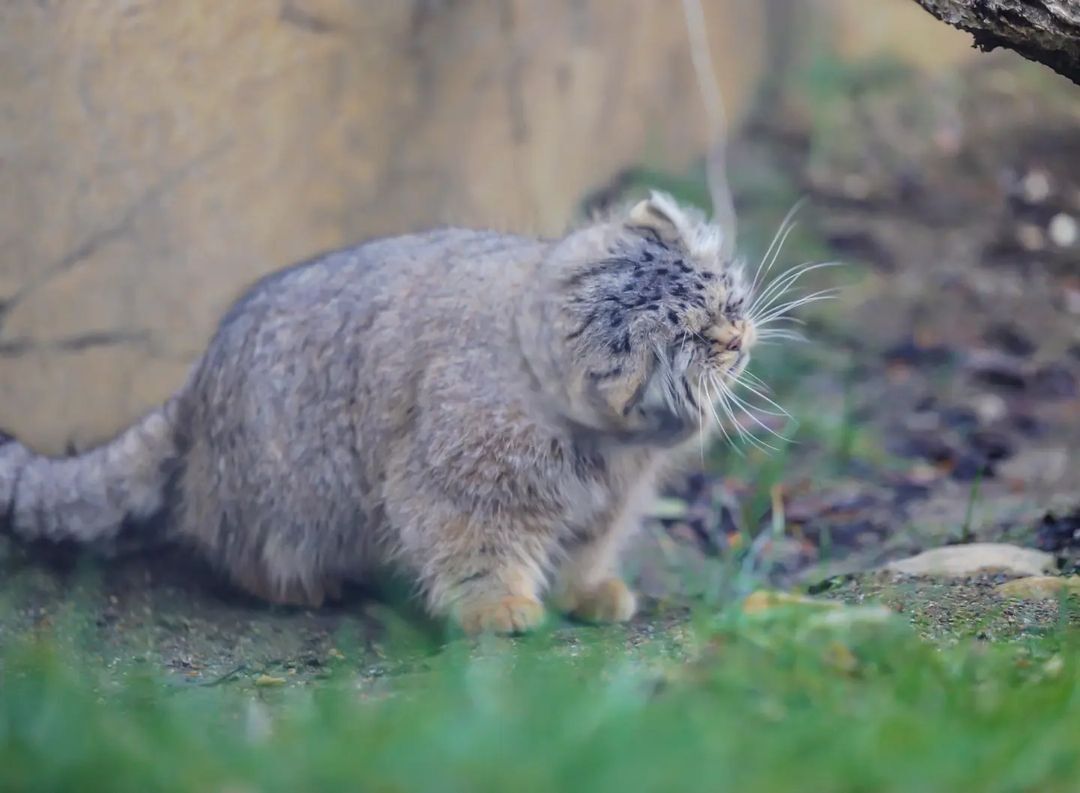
x: 1046, y: 31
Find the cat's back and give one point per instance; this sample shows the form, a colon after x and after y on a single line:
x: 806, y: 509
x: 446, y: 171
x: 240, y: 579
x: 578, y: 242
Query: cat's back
x: 411, y: 270
x: 390, y: 307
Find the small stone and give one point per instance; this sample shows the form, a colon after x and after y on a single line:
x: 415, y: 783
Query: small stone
x: 1036, y: 466
x: 1063, y: 230
x: 1035, y: 186
x: 849, y: 616
x: 958, y: 561
x: 1030, y: 237
x: 1053, y: 666
x: 989, y: 408
x: 922, y: 473
x: 1042, y: 587
x: 764, y: 600
x: 268, y: 681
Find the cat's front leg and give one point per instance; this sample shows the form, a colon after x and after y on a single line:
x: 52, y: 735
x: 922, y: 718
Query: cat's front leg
x: 589, y: 586
x: 487, y: 577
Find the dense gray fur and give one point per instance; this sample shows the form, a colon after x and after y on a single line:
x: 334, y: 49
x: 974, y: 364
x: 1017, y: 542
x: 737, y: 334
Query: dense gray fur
x: 483, y: 412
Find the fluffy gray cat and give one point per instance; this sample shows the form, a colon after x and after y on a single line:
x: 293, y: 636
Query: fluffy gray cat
x: 487, y: 414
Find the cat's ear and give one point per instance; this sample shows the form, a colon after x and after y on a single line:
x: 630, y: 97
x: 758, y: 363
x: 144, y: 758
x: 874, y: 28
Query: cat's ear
x: 658, y: 214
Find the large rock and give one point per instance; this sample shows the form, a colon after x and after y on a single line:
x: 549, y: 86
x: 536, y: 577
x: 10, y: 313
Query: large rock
x: 155, y: 157
x: 959, y: 561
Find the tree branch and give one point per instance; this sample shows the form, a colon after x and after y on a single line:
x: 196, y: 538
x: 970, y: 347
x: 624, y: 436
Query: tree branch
x: 1045, y: 31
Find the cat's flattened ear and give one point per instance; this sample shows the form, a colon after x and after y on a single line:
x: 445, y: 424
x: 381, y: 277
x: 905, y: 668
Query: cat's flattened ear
x: 658, y: 214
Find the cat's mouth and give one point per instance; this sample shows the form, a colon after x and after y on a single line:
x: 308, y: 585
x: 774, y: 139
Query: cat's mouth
x: 686, y: 381
x: 698, y: 380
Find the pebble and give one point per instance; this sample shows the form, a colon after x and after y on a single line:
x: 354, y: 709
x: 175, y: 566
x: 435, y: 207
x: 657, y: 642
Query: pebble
x: 1063, y: 230
x: 1041, y: 587
x: 1030, y: 236
x: 1035, y: 186
x: 989, y: 408
x: 1036, y: 466
x: 764, y: 600
x: 959, y: 561
x: 268, y: 681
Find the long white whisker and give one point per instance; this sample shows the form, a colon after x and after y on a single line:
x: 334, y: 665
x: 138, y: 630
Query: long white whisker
x: 770, y: 259
x: 716, y: 418
x: 753, y: 378
x: 789, y: 273
x: 786, y: 335
x: 776, y: 288
x: 700, y: 421
x: 748, y: 409
x: 718, y: 398
x: 768, y: 308
x: 744, y: 433
x: 779, y: 311
x: 792, y: 320
x: 753, y: 390
x: 742, y: 403
x: 782, y: 284
x: 782, y: 230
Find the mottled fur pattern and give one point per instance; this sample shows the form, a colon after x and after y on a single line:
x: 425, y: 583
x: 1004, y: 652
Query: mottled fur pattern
x: 488, y: 414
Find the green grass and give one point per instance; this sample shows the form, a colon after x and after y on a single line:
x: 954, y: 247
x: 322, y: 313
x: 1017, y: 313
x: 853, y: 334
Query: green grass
x: 780, y: 702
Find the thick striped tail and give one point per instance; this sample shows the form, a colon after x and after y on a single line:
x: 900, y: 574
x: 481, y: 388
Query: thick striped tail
x: 91, y: 497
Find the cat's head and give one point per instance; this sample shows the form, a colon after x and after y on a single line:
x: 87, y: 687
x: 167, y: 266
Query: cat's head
x: 650, y: 322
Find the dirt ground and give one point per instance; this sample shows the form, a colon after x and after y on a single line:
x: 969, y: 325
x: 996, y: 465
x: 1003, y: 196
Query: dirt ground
x: 939, y: 400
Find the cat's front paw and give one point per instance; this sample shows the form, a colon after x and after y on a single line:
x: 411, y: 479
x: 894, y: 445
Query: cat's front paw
x: 609, y: 601
x: 507, y: 615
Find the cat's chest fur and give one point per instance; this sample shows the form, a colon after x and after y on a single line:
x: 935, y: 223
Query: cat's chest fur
x: 607, y: 486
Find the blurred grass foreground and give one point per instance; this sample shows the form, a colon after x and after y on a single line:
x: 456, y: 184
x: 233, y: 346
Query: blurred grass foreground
x: 846, y: 701
x: 734, y: 702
